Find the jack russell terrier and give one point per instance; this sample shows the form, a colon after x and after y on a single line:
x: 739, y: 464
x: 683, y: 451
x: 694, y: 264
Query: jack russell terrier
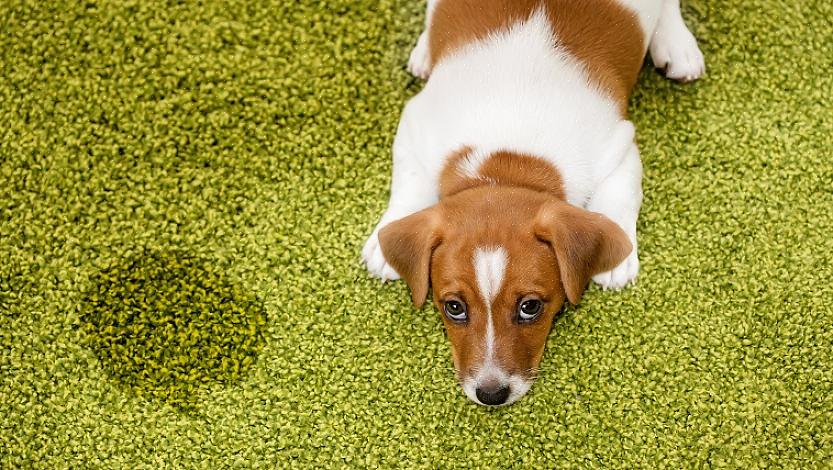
x: 516, y: 178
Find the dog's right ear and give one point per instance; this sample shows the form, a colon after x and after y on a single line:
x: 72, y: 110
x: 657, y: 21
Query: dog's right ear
x: 408, y: 244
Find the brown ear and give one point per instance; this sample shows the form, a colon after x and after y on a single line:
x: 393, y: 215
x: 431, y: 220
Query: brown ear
x: 585, y: 243
x: 408, y: 244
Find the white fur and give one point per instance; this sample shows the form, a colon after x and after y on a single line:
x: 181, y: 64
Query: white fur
x: 469, y: 165
x: 674, y: 48
x: 515, y: 92
x: 619, y: 197
x: 489, y: 267
x: 648, y: 13
x: 518, y: 385
x: 409, y: 193
x: 419, y: 63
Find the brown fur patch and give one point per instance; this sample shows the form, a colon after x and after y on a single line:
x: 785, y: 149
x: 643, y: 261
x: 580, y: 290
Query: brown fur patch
x: 604, y: 35
x: 490, y: 217
x: 504, y: 168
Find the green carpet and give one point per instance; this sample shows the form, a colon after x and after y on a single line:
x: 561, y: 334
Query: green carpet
x: 185, y: 188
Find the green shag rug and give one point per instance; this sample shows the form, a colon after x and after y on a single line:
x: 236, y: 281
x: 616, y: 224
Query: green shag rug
x: 185, y: 187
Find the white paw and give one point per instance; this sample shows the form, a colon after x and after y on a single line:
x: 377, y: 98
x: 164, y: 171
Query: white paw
x: 674, y: 50
x: 375, y: 260
x: 419, y: 63
x: 621, y: 275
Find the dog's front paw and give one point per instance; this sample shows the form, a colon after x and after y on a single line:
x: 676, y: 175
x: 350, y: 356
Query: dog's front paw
x: 419, y: 63
x: 375, y: 260
x: 621, y: 275
x: 674, y: 50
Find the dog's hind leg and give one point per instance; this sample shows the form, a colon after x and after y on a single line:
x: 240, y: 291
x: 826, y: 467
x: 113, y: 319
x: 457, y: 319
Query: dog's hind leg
x: 419, y: 64
x: 673, y: 47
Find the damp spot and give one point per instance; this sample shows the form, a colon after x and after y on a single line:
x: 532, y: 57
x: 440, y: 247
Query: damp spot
x: 168, y: 325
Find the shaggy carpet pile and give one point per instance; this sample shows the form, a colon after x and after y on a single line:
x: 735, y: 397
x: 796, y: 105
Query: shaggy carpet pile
x: 185, y: 187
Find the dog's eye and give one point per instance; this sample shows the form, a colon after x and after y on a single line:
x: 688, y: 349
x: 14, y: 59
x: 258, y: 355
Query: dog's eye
x: 455, y: 310
x: 529, y: 309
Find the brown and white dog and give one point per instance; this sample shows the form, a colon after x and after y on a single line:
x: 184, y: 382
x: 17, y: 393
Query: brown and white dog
x: 516, y: 178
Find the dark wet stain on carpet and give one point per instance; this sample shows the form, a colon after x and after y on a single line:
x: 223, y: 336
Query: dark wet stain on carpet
x: 168, y: 325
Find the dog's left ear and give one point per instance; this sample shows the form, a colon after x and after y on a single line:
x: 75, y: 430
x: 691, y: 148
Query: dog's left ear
x: 408, y: 244
x: 585, y: 243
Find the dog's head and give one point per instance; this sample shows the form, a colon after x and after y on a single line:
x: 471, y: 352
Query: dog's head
x: 501, y: 262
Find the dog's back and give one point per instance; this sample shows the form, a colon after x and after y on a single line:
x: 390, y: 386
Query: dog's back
x: 519, y: 86
x: 609, y: 37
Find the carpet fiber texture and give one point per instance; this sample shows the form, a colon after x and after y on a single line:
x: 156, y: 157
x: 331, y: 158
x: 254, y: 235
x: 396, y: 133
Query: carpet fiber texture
x: 185, y: 187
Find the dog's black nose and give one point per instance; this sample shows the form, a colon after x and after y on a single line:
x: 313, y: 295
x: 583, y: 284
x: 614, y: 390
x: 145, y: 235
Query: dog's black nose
x: 493, y: 395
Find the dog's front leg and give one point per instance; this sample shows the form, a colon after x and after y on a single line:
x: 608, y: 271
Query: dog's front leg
x: 619, y: 197
x: 411, y: 191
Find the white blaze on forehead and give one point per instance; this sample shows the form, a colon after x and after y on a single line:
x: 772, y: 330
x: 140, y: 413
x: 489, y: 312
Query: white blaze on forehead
x: 489, y: 268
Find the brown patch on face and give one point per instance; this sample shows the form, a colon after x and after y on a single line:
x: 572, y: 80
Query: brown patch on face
x: 602, y: 34
x: 486, y: 218
x: 552, y: 250
x: 504, y: 168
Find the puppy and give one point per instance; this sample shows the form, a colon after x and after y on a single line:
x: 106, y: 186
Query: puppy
x: 516, y: 178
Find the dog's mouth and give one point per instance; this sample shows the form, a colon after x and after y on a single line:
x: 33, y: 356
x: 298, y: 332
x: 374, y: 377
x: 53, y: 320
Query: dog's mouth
x: 497, y: 389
